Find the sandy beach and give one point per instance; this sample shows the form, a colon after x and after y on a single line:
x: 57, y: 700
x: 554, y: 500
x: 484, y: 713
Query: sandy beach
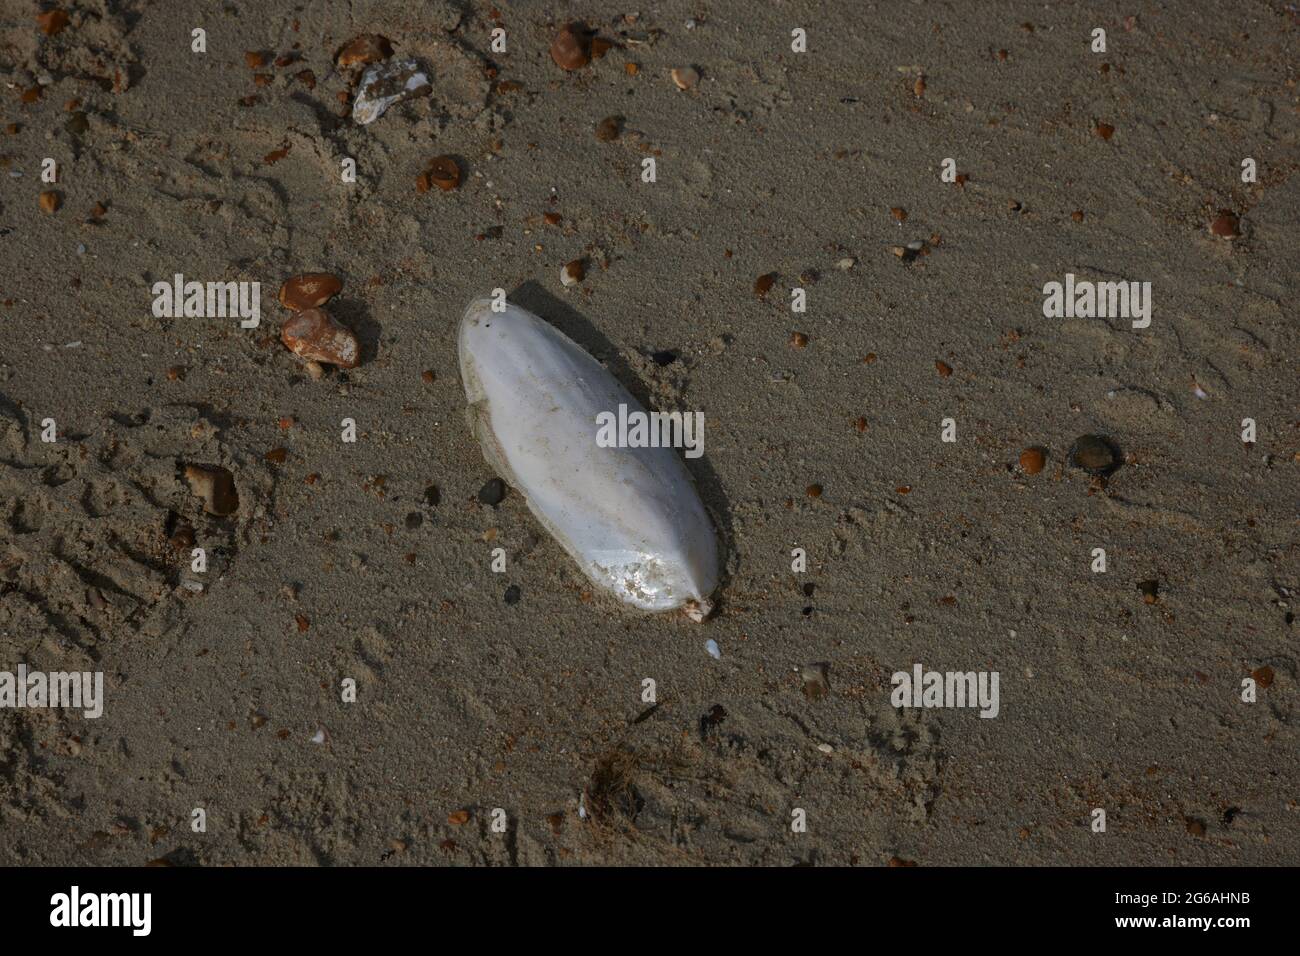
x: 914, y: 175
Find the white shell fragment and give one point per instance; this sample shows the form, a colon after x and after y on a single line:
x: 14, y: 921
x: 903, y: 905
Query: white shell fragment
x: 630, y: 517
x: 387, y: 83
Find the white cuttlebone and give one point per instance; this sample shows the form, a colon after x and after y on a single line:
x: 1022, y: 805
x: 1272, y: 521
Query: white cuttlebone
x: 630, y: 517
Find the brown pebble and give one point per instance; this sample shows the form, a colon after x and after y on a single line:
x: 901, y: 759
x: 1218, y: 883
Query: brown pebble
x: 608, y: 129
x: 631, y: 69
x: 255, y: 59
x: 458, y: 818
x: 1077, y: 215
x: 1032, y: 461
x: 30, y: 95
x: 309, y: 290
x: 444, y: 172
x: 176, y: 373
x: 869, y: 358
x: 12, y: 129
x: 1196, y: 827
x: 285, y: 422
x: 98, y: 211
x: 571, y: 48
x: 315, y: 335
x: 52, y: 22
x: 277, y: 456
x: 427, y: 376
x: 72, y: 105
x: 552, y: 218
x: 1263, y: 676
x: 814, y: 491
x: 763, y: 284
x: 303, y: 623
x: 899, y: 861
x: 50, y: 201
x: 919, y: 86
x: 861, y: 424
x: 367, y: 48
x: 899, y: 213
x: 798, y: 340
x: 307, y: 78
x: 216, y: 486
x: 943, y: 368
x: 1225, y: 225
x: 904, y: 489
x: 1105, y: 131
x: 1150, y: 591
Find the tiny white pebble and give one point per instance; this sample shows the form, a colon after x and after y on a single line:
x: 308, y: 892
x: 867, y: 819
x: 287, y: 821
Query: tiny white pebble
x: 319, y: 736
x: 712, y: 647
x: 826, y: 748
x: 845, y: 264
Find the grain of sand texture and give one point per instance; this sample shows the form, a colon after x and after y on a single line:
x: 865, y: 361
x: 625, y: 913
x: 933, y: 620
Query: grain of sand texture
x: 371, y: 561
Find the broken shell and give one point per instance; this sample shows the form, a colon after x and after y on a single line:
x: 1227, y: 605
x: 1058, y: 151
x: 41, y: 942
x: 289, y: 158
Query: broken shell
x: 571, y: 48
x: 686, y: 79
x: 50, y: 201
x: 443, y: 172
x: 630, y: 517
x: 572, y: 273
x: 384, y: 84
x: 315, y: 335
x: 367, y: 48
x: 216, y: 486
x: 309, y: 290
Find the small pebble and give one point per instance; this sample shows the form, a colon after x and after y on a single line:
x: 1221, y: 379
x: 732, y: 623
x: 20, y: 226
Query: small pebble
x: 52, y: 21
x: 763, y: 284
x: 309, y: 290
x: 608, y: 129
x: 512, y: 594
x: 798, y: 340
x: 943, y: 368
x: 50, y: 201
x: 316, y: 336
x: 571, y: 48
x: 1105, y: 131
x: 493, y: 492
x: 1094, y: 454
x: 1032, y: 461
x: 367, y: 48
x: 814, y: 491
x: 443, y: 172
x: 899, y: 213
x: 1225, y: 225
x: 712, y: 647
